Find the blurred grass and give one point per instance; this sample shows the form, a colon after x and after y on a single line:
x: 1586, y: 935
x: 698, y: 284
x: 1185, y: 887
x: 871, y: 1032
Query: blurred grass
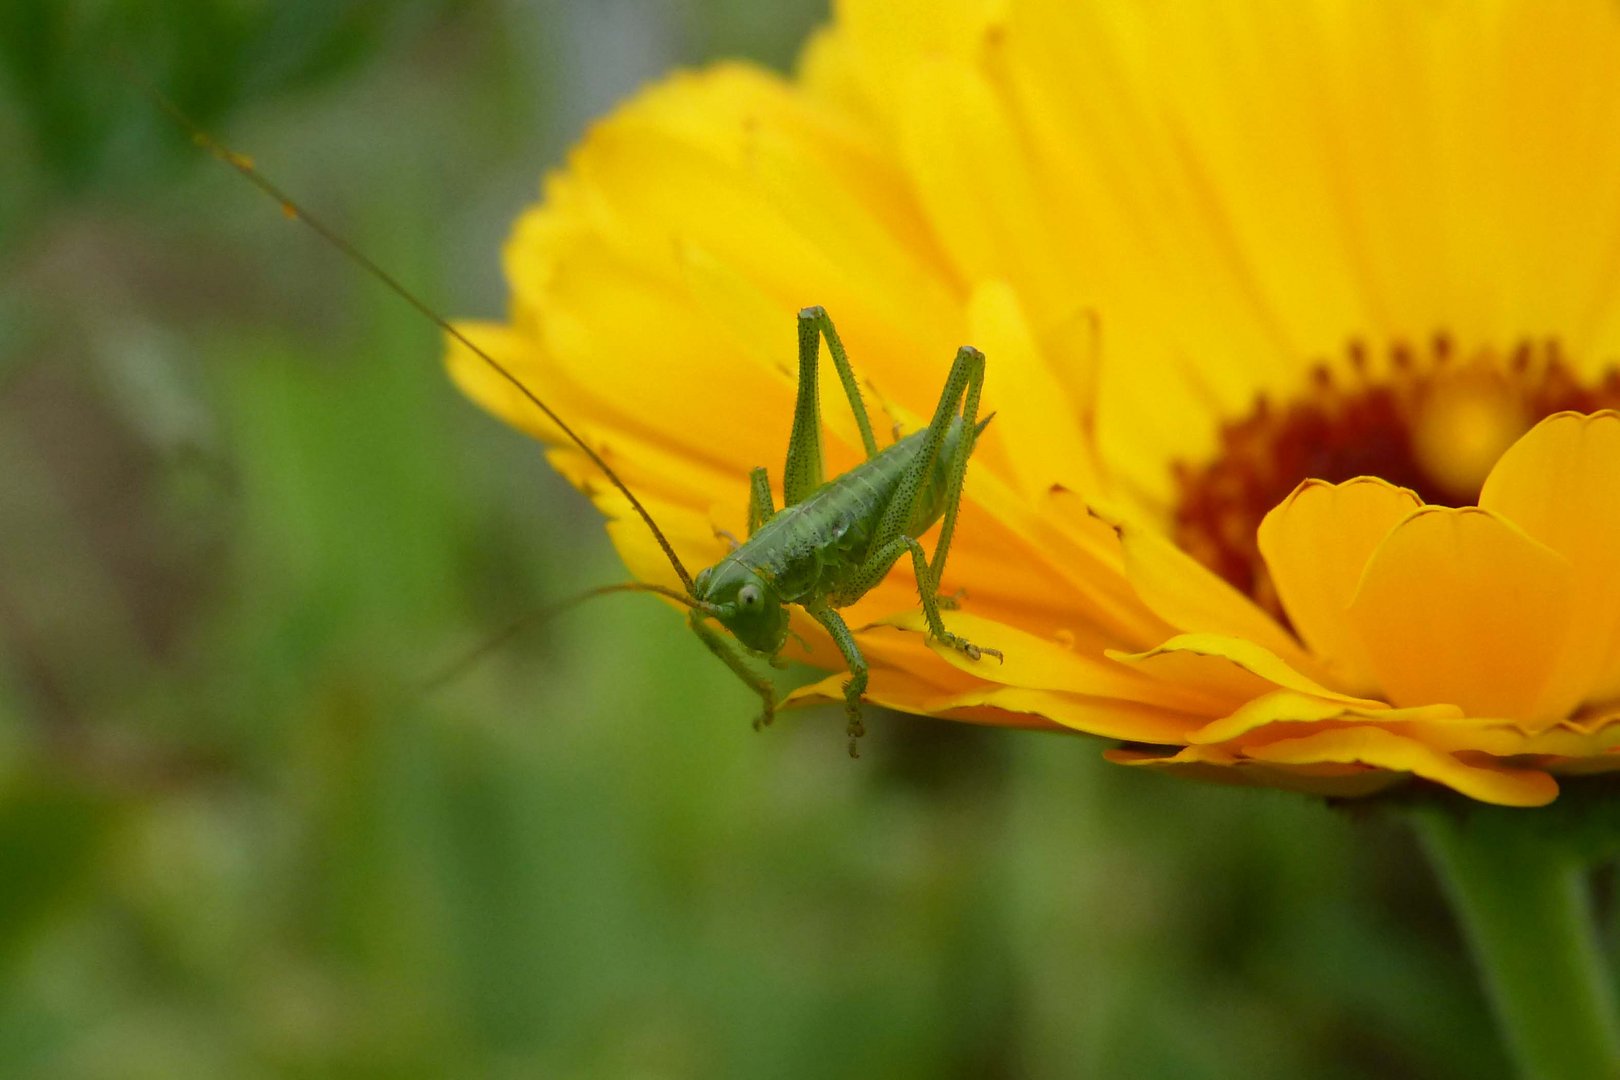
x: 243, y: 514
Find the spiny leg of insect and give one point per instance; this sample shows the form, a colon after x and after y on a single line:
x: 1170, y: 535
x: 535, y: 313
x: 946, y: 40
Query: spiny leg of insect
x: 856, y: 686
x: 878, y: 566
x: 964, y: 384
x: 971, y: 363
x: 732, y: 654
x: 804, y: 470
x: 965, y: 378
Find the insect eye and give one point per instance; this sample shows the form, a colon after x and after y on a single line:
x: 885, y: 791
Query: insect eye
x: 748, y: 595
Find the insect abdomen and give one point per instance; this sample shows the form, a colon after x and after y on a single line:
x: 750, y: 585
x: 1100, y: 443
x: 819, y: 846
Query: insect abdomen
x: 806, y: 547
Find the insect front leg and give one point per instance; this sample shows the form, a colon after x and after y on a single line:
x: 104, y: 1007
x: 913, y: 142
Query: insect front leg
x: 737, y: 660
x: 761, y: 505
x: 856, y: 686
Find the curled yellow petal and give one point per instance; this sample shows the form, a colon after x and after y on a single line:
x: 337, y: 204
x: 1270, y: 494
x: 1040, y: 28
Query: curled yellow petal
x: 1316, y: 544
x: 1293, y: 707
x: 1459, y: 607
x: 1482, y: 779
x: 1561, y: 484
x: 1229, y: 667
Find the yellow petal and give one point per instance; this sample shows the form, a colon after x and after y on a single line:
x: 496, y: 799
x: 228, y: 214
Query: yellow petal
x: 1038, y: 664
x: 689, y: 533
x: 1482, y: 780
x: 1055, y: 574
x: 1021, y: 384
x: 788, y: 192
x: 1539, y: 116
x: 885, y: 38
x: 1293, y: 707
x: 1008, y: 706
x: 514, y: 351
x: 1185, y: 594
x: 973, y: 178
x: 1228, y: 668
x: 1316, y: 544
x: 1502, y: 740
x: 1459, y: 607
x: 1085, y: 551
x: 1605, y: 762
x: 1561, y: 484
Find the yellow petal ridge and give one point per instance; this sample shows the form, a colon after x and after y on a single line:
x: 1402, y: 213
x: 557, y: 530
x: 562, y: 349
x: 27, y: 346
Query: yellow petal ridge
x: 1293, y: 707
x: 1229, y: 667
x: 1364, y: 745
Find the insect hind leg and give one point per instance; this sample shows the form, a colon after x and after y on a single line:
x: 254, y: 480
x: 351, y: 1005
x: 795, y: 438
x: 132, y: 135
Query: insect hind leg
x: 877, y: 567
x: 803, y: 472
x: 963, y: 385
x: 822, y: 322
x: 964, y: 382
x: 970, y: 363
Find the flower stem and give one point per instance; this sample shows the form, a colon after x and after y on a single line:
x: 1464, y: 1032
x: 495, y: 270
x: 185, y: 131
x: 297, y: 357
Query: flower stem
x: 1523, y: 904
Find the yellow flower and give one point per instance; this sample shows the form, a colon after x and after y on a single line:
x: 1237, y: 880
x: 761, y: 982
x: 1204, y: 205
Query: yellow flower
x: 1273, y: 297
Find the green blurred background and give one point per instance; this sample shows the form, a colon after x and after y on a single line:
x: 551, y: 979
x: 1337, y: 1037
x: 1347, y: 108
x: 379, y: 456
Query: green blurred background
x: 243, y: 514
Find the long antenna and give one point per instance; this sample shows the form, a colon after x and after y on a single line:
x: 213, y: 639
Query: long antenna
x: 296, y: 212
x: 453, y: 671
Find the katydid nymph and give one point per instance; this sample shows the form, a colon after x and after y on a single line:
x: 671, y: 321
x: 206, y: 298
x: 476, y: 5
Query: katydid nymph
x: 832, y: 540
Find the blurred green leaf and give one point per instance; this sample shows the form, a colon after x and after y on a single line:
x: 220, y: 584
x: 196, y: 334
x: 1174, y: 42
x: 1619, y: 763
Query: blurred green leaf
x: 53, y: 831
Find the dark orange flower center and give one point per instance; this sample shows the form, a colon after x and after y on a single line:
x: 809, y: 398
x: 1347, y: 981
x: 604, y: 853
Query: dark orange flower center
x: 1429, y: 420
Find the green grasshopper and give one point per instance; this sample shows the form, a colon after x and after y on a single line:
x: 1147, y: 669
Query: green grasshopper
x: 832, y: 540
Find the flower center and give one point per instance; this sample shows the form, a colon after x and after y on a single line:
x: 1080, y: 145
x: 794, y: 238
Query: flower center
x: 1426, y: 419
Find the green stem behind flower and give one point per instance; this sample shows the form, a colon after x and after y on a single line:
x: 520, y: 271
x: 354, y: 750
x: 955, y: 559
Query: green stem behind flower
x: 1522, y: 900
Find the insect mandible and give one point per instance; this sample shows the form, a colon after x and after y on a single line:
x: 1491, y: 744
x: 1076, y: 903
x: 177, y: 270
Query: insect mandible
x: 832, y: 540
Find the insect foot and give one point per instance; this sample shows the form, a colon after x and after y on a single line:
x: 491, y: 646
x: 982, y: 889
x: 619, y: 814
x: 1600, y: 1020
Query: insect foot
x: 855, y: 730
x: 970, y: 650
x: 766, y: 715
